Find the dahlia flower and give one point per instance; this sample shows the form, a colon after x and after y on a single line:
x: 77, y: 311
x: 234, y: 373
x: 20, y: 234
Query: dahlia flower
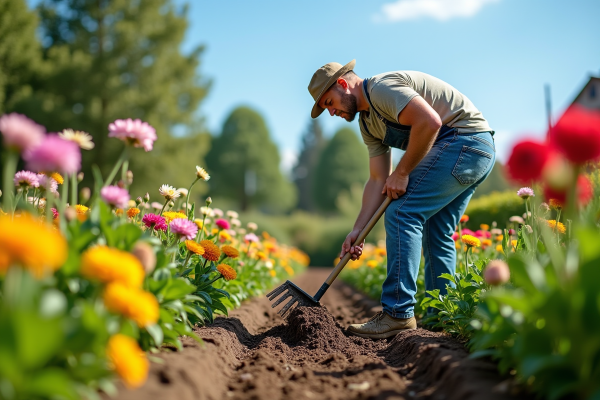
x: 154, y: 221
x: 26, y: 179
x: 525, y: 193
x: 115, y: 196
x: 133, y: 132
x: 168, y: 192
x: 577, y: 134
x: 20, y: 132
x: 128, y: 360
x: 184, y: 228
x: 202, y: 174
x: 82, y: 139
x: 527, y: 160
x: 54, y: 154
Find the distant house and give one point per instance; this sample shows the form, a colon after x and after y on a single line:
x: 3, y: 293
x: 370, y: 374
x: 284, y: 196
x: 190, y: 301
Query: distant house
x: 589, y: 96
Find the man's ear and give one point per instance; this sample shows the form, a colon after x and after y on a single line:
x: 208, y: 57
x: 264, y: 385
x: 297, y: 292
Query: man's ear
x: 343, y: 83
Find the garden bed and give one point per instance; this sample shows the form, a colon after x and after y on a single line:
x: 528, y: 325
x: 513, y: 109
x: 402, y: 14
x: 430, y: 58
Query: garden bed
x: 253, y: 354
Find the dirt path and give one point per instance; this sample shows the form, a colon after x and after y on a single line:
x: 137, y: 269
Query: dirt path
x: 253, y: 354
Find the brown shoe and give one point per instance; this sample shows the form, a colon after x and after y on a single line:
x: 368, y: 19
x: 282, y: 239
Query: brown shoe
x: 382, y: 326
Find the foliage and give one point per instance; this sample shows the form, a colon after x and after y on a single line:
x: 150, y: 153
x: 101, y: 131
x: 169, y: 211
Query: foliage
x: 497, y: 206
x: 495, y: 182
x: 245, y: 164
x: 313, y: 142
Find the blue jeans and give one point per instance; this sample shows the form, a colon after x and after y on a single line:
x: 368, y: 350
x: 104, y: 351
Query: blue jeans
x: 437, y: 195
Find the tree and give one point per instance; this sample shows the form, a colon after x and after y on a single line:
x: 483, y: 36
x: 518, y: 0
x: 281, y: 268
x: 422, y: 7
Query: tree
x: 107, y: 60
x: 343, y: 162
x: 495, y: 182
x: 244, y: 164
x: 313, y: 143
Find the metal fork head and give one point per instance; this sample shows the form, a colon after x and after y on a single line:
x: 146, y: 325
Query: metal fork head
x: 297, y: 296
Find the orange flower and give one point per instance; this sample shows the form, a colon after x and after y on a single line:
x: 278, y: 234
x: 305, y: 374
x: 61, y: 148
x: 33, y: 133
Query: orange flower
x: 230, y: 251
x: 261, y: 255
x: 372, y: 264
x: 499, y: 248
x: 381, y: 252
x: 484, y: 227
x: 556, y: 226
x: 464, y: 218
x: 132, y: 212
x: 224, y: 236
x: 273, y: 273
x: 136, y: 304
x: 557, y: 205
x: 211, y: 250
x: 194, y: 247
x: 128, y: 360
x: 108, y: 265
x: 119, y: 212
x: 486, y: 242
x: 227, y: 272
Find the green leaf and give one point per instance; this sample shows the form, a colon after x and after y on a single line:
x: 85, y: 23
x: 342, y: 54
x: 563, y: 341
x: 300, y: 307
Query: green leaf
x: 51, y: 383
x: 38, y: 339
x: 177, y: 289
x: 156, y: 333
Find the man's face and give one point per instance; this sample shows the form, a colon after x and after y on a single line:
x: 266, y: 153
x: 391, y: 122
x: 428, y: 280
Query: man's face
x: 339, y: 103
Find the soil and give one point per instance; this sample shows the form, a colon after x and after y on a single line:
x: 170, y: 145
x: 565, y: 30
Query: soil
x: 255, y: 354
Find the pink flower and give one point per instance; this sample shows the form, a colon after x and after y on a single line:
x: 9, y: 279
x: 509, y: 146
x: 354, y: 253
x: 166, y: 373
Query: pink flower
x: 184, y: 228
x: 20, y: 132
x: 455, y: 236
x: 511, y: 231
x: 26, y: 179
x: 133, y: 132
x: 525, y: 193
x: 54, y: 154
x: 154, y: 221
x: 482, y: 234
x: 251, y: 237
x: 222, y: 223
x: 54, y: 213
x: 115, y: 196
x: 496, y: 273
x: 47, y: 183
x: 467, y: 231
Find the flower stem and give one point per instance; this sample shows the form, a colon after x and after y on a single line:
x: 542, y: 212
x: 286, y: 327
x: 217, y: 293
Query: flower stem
x: 187, y: 198
x: 163, y: 208
x: 199, y: 238
x: 113, y: 173
x: 73, y: 190
x: 207, y: 284
x: 124, y: 169
x: 10, y: 167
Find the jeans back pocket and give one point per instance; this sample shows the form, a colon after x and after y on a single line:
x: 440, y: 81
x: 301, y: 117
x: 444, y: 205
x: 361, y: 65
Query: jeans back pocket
x: 472, y: 165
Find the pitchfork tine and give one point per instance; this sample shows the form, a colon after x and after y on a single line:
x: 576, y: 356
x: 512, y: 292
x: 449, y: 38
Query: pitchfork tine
x: 285, y: 308
x: 282, y: 298
x: 277, y: 291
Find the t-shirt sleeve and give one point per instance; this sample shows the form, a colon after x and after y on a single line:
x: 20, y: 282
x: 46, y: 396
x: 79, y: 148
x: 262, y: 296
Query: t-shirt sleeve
x: 390, y: 97
x: 374, y: 145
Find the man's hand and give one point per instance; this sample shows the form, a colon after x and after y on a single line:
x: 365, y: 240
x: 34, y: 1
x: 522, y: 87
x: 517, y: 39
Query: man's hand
x: 395, y: 185
x: 356, y: 251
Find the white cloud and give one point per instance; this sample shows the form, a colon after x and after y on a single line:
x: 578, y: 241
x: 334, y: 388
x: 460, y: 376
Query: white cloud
x: 288, y: 160
x: 442, y: 10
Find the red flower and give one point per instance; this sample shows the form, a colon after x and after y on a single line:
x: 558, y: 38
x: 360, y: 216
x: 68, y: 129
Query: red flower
x: 577, y: 135
x: 222, y: 223
x: 527, y: 161
x: 585, y: 192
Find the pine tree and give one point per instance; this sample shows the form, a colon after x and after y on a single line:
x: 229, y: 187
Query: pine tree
x: 313, y: 143
x: 244, y: 164
x: 343, y: 162
x: 119, y: 59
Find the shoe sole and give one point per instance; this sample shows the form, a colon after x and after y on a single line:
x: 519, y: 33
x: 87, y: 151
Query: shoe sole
x: 384, y: 335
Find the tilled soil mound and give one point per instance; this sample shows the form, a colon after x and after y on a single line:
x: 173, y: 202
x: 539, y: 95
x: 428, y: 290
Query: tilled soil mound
x: 254, y: 354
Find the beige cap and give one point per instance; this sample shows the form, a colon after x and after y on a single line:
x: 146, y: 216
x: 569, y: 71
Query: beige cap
x: 322, y: 80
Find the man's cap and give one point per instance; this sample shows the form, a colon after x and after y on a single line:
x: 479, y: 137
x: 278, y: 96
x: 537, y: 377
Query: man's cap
x: 323, y: 79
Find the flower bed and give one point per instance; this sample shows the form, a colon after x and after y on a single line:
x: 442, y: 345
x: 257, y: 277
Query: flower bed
x: 88, y: 285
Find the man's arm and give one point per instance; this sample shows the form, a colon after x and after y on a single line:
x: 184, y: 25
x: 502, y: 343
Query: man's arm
x: 380, y: 168
x: 425, y: 124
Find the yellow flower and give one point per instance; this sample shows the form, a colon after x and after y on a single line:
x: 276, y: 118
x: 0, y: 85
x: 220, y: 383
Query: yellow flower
x: 372, y: 264
x: 194, y: 247
x: 269, y: 247
x: 171, y: 215
x: 514, y: 243
x: 211, y: 250
x: 83, y: 139
x: 273, y: 273
x: 261, y: 255
x: 224, y: 236
x: 230, y: 251
x: 484, y: 227
x: 557, y: 227
x: 132, y: 212
x: 499, y: 248
x: 486, y: 242
x: 202, y: 174
x: 57, y: 177
x: 198, y: 222
x: 499, y: 238
x: 128, y: 360
x: 470, y: 241
x: 457, y: 245
x: 289, y: 270
x: 381, y: 252
x: 119, y: 212
x: 108, y: 265
x: 80, y: 209
x: 227, y: 272
x: 136, y: 304
x: 28, y: 242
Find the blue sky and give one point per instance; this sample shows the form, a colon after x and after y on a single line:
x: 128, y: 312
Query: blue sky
x: 500, y: 53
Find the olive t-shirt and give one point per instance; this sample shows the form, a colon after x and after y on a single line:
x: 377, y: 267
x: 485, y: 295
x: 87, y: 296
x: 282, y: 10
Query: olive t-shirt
x: 391, y: 91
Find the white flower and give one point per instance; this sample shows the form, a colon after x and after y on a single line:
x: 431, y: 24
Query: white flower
x: 252, y: 226
x: 269, y: 264
x: 83, y: 139
x: 207, y: 221
x: 236, y: 222
x: 183, y: 191
x: 232, y: 214
x: 168, y: 192
x: 241, y: 231
x: 217, y: 212
x: 206, y: 211
x: 202, y: 174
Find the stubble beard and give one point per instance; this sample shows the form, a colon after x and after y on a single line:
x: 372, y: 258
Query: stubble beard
x: 351, y: 105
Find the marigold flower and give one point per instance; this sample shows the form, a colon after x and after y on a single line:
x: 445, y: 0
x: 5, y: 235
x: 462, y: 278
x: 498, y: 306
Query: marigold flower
x: 128, y: 360
x: 227, y: 271
x: 486, y: 243
x: 211, y: 250
x: 171, y: 215
x: 136, y: 304
x: 222, y: 223
x: 499, y: 238
x: 183, y: 228
x: 372, y: 264
x: 484, y: 227
x: 168, y: 192
x: 108, y: 265
x: 115, y: 196
x: 470, y: 241
x: 499, y: 248
x: 119, y: 212
x: 558, y: 227
x: 514, y: 243
x: 261, y: 255
x: 194, y: 247
x: 224, y: 236
x: 577, y: 134
x: 525, y: 193
x: 464, y: 218
x: 57, y: 177
x: 35, y: 246
x: 496, y: 273
x: 82, y: 139
x: 133, y: 132
x: 26, y: 179
x: 202, y: 174
x: 273, y: 273
x: 132, y: 212
x: 527, y: 160
x: 380, y: 251
x: 54, y: 154
x: 230, y: 251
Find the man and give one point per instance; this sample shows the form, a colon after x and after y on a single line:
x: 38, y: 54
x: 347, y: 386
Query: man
x: 449, y: 151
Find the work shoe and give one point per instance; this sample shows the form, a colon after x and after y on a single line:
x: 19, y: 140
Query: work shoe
x: 382, y: 325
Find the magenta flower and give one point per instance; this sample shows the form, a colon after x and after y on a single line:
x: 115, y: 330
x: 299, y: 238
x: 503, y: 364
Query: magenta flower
x: 455, y: 236
x: 482, y: 234
x: 184, y: 228
x: 133, y: 132
x: 251, y: 237
x: 47, y: 183
x: 154, y: 221
x: 54, y: 213
x: 115, y: 196
x: 20, y: 132
x: 222, y: 223
x: 511, y: 231
x: 54, y: 154
x: 26, y: 179
x: 525, y: 193
x: 467, y: 231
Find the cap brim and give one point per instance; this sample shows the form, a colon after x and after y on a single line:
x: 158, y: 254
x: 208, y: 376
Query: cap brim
x: 318, y: 110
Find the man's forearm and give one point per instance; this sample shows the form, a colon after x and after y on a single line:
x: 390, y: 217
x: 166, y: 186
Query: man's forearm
x: 372, y: 199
